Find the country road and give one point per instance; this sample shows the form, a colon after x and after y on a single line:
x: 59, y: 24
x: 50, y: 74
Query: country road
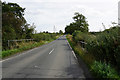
x: 52, y: 60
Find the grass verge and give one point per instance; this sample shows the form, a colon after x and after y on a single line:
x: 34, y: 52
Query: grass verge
x: 24, y: 47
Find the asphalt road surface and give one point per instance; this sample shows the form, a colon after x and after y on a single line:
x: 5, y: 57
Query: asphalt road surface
x: 53, y: 60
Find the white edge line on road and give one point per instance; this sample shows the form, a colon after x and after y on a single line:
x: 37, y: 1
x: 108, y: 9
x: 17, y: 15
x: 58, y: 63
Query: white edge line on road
x: 51, y: 51
x: 69, y: 45
x: 72, y: 50
x: 74, y: 54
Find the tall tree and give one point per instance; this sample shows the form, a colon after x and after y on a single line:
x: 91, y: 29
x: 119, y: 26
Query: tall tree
x: 14, y: 25
x: 79, y: 24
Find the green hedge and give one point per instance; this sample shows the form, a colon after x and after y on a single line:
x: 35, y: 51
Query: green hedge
x: 44, y: 36
x: 40, y: 39
x: 104, y: 46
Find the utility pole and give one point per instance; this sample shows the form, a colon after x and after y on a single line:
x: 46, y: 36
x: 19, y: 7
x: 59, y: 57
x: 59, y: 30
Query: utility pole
x: 54, y: 29
x: 103, y: 26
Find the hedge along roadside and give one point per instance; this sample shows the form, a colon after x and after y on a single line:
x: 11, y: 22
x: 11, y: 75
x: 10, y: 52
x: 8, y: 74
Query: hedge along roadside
x: 25, y: 47
x: 104, y: 46
x: 98, y: 69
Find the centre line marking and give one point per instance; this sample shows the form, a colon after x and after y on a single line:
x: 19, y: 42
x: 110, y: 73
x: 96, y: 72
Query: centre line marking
x: 51, y: 51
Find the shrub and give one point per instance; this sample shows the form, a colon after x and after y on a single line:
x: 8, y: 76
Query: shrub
x: 104, y: 46
x: 102, y: 70
x: 44, y: 36
x: 79, y: 36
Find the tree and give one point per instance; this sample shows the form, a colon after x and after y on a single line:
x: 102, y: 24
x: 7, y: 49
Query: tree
x: 14, y: 25
x: 79, y: 24
x: 60, y: 32
x: 30, y: 32
x: 46, y: 32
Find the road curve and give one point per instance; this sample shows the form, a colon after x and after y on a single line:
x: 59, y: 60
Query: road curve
x: 53, y: 60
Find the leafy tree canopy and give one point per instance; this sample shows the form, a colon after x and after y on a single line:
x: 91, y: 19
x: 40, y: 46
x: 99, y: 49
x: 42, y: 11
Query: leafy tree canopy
x: 60, y: 32
x: 14, y: 25
x: 79, y: 23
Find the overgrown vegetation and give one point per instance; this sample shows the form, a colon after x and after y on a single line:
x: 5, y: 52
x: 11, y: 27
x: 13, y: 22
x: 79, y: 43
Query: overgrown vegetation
x: 22, y: 46
x: 105, y: 46
x: 44, y: 36
x: 103, y: 70
x: 100, y: 51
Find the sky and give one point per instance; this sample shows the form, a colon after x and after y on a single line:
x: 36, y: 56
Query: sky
x: 46, y: 14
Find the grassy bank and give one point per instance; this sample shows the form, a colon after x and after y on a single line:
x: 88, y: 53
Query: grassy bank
x: 97, y: 68
x: 24, y: 46
x: 88, y: 58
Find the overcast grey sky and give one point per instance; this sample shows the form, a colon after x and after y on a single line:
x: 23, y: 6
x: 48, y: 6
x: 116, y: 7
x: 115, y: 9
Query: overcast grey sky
x: 47, y: 13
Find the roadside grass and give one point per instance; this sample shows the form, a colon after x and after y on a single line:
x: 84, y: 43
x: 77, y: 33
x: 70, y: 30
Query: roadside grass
x: 97, y: 69
x: 23, y: 47
x: 88, y: 58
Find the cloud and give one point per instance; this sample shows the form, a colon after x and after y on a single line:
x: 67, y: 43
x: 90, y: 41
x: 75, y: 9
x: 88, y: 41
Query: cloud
x: 47, y: 13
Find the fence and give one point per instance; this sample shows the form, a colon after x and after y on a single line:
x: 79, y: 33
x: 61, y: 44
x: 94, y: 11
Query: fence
x: 82, y: 44
x: 18, y: 41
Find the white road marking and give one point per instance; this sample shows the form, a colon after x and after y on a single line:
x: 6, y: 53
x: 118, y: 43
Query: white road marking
x: 72, y: 50
x: 36, y: 66
x: 51, y: 51
x: 69, y: 45
x: 74, y: 54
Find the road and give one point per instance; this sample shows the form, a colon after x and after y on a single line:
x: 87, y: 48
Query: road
x: 53, y: 60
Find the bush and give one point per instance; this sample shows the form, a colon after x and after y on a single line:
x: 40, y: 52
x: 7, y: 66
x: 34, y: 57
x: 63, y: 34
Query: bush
x: 9, y: 52
x: 105, y: 46
x: 79, y: 36
x: 102, y: 70
x: 44, y: 36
